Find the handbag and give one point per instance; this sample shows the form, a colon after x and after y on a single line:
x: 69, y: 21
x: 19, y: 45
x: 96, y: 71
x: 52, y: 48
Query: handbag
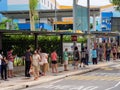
x: 31, y: 71
x: 41, y: 63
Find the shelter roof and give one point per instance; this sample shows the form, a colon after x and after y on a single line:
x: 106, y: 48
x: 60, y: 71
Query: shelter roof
x: 20, y: 32
x: 45, y: 13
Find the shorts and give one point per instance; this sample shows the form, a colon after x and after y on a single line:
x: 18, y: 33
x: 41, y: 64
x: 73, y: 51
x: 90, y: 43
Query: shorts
x: 83, y: 60
x: 114, y: 54
x: 36, y: 68
x: 45, y: 67
x: 10, y: 65
x: 54, y: 62
x: 66, y: 62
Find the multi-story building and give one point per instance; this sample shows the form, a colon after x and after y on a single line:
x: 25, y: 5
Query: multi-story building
x: 103, y: 22
x: 15, y: 5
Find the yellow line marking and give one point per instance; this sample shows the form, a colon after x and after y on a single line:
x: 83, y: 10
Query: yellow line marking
x: 81, y: 77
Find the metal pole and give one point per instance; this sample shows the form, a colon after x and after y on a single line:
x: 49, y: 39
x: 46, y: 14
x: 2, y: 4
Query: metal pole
x: 88, y: 41
x: 88, y: 5
x: 61, y: 47
x: 55, y: 15
x: 74, y: 8
x: 36, y: 41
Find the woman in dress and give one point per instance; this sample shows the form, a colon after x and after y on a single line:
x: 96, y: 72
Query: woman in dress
x: 35, y: 64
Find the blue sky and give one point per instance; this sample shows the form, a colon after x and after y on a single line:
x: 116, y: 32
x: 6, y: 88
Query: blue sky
x: 84, y: 2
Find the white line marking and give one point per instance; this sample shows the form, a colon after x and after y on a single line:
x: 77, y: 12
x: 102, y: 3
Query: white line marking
x: 113, y: 86
x: 56, y: 81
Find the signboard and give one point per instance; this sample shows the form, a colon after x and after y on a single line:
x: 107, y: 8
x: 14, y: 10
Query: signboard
x: 70, y: 46
x: 74, y: 38
x: 81, y: 18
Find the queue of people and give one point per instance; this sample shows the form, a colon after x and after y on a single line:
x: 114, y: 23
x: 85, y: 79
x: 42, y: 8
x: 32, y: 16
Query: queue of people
x: 6, y: 64
x: 37, y: 64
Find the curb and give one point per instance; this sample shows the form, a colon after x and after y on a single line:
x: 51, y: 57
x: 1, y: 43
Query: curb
x: 51, y: 78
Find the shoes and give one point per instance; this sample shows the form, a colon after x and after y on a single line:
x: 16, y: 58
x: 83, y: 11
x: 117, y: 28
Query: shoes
x: 6, y: 80
x: 36, y: 78
x: 66, y: 70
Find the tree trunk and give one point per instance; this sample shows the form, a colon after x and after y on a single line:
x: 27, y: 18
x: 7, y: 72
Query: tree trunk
x: 32, y: 21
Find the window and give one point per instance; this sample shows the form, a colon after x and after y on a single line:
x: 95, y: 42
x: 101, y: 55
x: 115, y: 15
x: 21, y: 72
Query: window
x: 48, y: 3
x: 27, y: 20
x: 44, y: 2
x: 51, y: 6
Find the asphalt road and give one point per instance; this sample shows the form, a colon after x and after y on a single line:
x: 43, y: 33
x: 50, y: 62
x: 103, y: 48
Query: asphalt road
x: 106, y: 78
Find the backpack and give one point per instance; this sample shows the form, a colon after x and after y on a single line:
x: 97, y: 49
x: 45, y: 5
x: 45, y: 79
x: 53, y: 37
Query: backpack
x: 77, y: 55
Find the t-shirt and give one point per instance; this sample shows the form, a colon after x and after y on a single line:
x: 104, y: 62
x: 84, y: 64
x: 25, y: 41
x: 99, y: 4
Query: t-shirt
x: 76, y: 55
x: 44, y: 57
x: 108, y: 52
x: 65, y: 55
x: 36, y: 59
x: 94, y: 53
x: 10, y: 56
x: 54, y: 56
x: 27, y: 56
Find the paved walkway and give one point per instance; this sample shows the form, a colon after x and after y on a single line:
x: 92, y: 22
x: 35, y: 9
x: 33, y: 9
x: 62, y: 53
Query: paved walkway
x: 20, y: 82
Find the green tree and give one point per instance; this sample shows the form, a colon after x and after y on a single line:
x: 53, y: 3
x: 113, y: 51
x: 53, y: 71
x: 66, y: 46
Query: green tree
x: 116, y: 3
x: 33, y: 13
x: 4, y: 22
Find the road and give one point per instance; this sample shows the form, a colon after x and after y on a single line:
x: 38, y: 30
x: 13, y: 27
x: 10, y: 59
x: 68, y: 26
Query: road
x: 106, y: 78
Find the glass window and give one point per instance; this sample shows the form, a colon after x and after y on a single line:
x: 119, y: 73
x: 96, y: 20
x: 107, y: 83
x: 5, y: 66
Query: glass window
x: 48, y: 3
x: 44, y: 1
x: 51, y: 6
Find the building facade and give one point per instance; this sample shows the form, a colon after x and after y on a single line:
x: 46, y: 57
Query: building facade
x: 14, y: 5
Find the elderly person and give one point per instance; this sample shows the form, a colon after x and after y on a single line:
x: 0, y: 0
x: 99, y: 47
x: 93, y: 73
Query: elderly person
x: 35, y: 64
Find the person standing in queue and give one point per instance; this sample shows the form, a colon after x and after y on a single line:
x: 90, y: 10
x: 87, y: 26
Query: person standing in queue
x: 76, y: 57
x: 10, y: 58
x: 28, y: 59
x: 94, y: 56
x: 54, y: 61
x: 4, y: 69
x: 65, y: 57
x: 83, y: 58
x: 86, y: 56
x: 35, y: 64
x: 44, y: 60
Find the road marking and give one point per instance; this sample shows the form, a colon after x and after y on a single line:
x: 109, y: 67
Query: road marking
x: 68, y: 87
x: 56, y: 81
x: 106, y: 68
x: 113, y: 86
x: 81, y: 77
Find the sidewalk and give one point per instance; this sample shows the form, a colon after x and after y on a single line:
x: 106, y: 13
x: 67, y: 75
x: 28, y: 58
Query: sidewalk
x: 20, y: 82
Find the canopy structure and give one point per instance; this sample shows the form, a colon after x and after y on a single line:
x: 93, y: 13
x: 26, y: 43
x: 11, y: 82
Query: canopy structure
x: 45, y: 13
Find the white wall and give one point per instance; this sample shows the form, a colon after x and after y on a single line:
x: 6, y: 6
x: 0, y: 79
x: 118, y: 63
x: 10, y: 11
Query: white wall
x: 22, y: 21
x: 14, y: 2
x: 43, y: 20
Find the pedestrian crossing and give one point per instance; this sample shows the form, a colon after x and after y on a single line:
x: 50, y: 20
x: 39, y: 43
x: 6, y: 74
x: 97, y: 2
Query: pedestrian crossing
x: 101, y: 78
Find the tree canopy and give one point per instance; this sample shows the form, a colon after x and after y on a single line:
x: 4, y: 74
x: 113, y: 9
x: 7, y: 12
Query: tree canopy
x: 116, y: 3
